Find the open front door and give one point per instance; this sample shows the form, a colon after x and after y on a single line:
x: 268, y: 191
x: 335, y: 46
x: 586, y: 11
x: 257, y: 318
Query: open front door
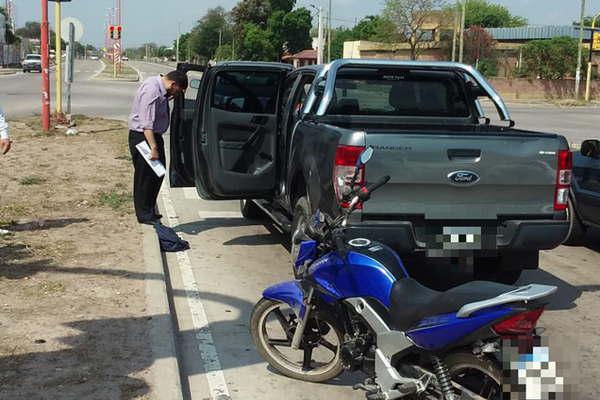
x: 237, y: 149
x: 185, y: 107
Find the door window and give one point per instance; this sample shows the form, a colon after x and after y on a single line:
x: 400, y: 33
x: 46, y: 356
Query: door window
x: 246, y: 92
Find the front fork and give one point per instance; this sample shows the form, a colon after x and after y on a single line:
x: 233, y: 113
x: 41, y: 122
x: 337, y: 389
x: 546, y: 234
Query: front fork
x: 302, y: 320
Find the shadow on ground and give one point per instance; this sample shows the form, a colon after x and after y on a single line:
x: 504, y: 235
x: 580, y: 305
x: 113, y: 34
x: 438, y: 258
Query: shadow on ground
x: 17, y: 263
x: 44, y: 224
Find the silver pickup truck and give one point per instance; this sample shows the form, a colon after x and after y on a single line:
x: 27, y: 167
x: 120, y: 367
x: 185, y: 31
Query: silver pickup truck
x: 285, y: 143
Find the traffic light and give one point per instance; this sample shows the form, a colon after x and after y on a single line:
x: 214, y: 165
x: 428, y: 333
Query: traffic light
x: 111, y: 31
x: 118, y: 32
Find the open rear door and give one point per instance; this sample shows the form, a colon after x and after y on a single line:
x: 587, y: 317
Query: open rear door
x: 185, y: 108
x: 237, y: 149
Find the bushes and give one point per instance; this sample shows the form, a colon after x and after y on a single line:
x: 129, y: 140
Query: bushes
x: 550, y: 59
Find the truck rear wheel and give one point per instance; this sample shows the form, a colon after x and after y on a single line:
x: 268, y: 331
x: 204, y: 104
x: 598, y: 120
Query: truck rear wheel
x: 301, y: 216
x: 577, y: 230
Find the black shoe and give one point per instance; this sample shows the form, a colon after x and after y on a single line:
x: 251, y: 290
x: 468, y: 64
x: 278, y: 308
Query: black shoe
x: 158, y: 216
x: 148, y: 221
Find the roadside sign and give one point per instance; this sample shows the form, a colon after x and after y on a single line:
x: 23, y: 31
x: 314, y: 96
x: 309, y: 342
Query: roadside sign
x: 596, y: 42
x: 64, y: 33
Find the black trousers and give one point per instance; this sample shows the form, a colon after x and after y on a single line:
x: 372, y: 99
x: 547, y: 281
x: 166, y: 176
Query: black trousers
x: 146, y: 184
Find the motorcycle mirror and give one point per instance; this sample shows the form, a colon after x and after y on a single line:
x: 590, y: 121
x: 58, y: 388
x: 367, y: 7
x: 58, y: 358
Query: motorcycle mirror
x: 365, y: 156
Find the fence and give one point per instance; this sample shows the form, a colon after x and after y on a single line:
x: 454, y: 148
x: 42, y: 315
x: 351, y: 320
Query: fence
x: 10, y: 55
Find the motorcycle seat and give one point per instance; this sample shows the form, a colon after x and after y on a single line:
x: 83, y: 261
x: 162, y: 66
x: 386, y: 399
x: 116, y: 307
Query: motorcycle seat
x: 410, y: 301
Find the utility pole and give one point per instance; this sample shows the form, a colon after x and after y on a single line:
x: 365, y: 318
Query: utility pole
x: 329, y: 35
x: 455, y: 31
x: 580, y: 50
x: 177, y: 47
x: 45, y: 68
x: 461, y: 31
x: 320, y: 40
x: 588, y: 81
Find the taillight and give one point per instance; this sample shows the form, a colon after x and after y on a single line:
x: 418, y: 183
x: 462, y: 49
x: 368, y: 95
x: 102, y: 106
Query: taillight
x: 564, y: 172
x: 520, y: 324
x: 343, y: 171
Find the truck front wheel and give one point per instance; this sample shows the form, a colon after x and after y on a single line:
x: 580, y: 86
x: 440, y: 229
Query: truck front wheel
x: 301, y: 216
x: 250, y: 210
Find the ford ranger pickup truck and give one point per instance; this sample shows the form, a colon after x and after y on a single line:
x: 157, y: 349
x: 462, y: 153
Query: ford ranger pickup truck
x: 285, y: 143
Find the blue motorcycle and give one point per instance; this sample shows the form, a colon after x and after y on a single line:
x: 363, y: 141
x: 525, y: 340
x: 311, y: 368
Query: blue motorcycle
x: 355, y: 307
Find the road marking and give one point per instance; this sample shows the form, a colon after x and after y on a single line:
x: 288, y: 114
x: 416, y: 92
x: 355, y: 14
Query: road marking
x: 99, y: 71
x: 206, y: 345
x: 140, y: 74
x: 190, y: 193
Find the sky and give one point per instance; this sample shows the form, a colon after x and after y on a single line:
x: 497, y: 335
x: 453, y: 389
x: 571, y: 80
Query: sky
x: 157, y: 20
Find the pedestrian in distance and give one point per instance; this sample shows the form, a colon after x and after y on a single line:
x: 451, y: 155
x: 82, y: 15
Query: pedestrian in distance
x: 148, y: 121
x: 5, y: 142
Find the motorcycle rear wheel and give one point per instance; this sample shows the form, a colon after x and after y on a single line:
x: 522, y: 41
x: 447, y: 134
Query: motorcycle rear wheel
x: 320, y: 334
x: 479, y: 375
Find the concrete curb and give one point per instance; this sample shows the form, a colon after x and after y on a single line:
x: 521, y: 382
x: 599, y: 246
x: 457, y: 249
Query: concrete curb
x: 9, y: 71
x: 164, y: 372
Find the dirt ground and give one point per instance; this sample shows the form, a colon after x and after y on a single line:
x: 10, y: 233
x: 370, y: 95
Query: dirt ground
x: 72, y: 317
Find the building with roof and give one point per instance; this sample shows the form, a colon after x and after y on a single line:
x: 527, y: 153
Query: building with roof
x: 301, y: 59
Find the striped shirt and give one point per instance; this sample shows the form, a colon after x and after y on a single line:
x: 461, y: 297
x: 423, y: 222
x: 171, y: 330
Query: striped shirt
x: 150, y: 107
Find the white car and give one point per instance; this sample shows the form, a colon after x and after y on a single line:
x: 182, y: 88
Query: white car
x: 125, y: 58
x: 94, y: 58
x: 32, y: 62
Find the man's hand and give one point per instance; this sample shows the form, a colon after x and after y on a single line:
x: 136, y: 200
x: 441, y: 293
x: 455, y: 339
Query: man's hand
x: 5, y: 145
x: 154, y: 153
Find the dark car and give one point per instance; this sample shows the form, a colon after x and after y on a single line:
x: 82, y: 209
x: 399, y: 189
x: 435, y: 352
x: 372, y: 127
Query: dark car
x: 584, y: 207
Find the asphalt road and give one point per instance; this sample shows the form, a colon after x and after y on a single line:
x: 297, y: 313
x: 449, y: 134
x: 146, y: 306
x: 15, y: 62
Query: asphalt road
x: 216, y: 283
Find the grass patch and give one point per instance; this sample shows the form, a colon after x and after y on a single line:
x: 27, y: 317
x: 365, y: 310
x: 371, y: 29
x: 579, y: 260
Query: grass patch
x: 10, y: 212
x: 117, y: 199
x: 31, y: 180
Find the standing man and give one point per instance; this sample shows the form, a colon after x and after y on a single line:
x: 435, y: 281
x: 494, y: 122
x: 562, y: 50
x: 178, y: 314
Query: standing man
x: 149, y: 119
x: 5, y: 142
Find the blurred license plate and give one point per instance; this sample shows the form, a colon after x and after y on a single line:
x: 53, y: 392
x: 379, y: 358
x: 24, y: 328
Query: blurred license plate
x: 459, y: 238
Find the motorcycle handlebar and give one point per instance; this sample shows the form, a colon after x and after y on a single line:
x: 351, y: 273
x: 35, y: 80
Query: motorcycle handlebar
x: 365, y: 193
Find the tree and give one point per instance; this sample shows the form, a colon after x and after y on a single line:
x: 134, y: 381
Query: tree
x: 550, y: 58
x: 480, y: 50
x: 31, y: 30
x: 483, y: 13
x: 372, y: 28
x: 224, y: 53
x: 257, y: 44
x: 214, y: 26
x: 295, y: 30
x: 410, y: 18
x: 255, y: 12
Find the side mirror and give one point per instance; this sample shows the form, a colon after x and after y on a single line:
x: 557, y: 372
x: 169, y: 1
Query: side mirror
x: 195, y: 83
x: 365, y: 156
x: 591, y: 148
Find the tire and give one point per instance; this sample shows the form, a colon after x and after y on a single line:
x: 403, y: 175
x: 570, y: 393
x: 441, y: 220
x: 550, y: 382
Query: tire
x: 301, y: 217
x: 466, y: 368
x: 577, y: 230
x: 258, y: 320
x: 250, y: 210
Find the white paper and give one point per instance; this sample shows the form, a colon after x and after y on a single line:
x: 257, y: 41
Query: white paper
x: 156, y: 165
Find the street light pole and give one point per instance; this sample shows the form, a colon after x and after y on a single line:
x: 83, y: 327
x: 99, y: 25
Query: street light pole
x: 461, y: 31
x: 589, y: 66
x: 455, y: 31
x: 580, y: 50
x: 45, y: 68
x: 178, y: 36
x: 58, y: 57
x: 329, y: 35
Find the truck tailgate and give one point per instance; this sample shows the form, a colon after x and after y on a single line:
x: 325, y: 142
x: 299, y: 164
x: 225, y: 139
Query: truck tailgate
x: 462, y: 176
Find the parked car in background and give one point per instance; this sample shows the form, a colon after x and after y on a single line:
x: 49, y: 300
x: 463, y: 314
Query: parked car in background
x: 285, y: 142
x: 32, y: 62
x: 125, y: 58
x: 94, y: 57
x: 584, y: 206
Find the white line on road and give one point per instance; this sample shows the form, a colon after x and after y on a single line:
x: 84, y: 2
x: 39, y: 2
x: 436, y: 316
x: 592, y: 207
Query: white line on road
x: 206, y: 345
x: 140, y: 74
x: 98, y: 71
x: 219, y: 214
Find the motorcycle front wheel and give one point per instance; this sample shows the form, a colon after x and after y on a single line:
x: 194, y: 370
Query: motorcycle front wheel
x: 318, y: 359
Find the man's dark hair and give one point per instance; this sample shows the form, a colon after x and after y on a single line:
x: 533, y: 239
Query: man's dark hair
x: 179, y: 78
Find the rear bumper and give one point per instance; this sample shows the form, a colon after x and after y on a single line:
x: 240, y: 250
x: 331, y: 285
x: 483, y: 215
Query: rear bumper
x: 513, y: 235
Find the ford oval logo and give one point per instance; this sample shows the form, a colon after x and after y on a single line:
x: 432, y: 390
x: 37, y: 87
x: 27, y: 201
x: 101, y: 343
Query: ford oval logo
x: 463, y: 178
